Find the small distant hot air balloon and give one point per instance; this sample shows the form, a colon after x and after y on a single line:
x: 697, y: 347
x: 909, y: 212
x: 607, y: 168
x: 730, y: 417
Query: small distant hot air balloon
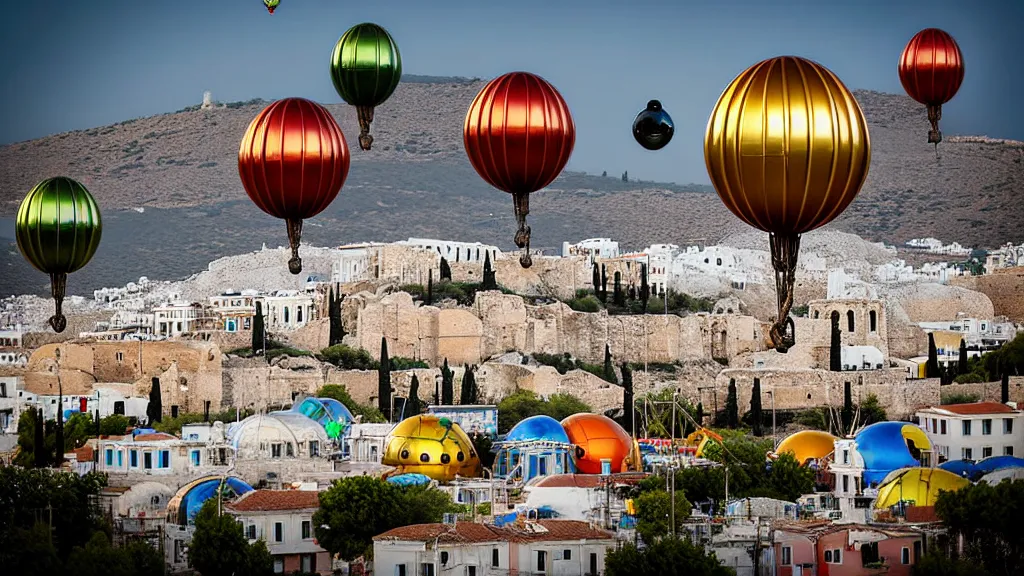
x: 365, y: 68
x: 653, y: 127
x: 271, y: 5
x: 293, y: 161
x: 58, y: 229
x: 931, y: 71
x: 519, y: 135
x: 787, y: 149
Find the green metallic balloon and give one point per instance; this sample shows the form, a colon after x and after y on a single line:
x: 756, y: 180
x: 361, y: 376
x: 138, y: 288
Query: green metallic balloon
x: 365, y: 68
x: 58, y: 229
x: 271, y: 5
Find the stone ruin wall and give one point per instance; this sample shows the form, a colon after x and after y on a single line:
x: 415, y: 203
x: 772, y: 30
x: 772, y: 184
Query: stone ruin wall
x: 990, y: 391
x: 1004, y: 287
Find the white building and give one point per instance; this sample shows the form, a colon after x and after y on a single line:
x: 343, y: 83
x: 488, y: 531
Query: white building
x: 981, y: 335
x: 861, y: 358
x: 284, y: 436
x: 592, y: 248
x: 13, y: 358
x: 896, y: 270
x: 852, y: 498
x: 974, y: 431
x: 731, y: 266
x: 176, y: 318
x: 935, y: 246
x: 287, y: 309
x: 154, y: 455
x: 454, y: 251
x: 10, y: 406
x: 284, y: 520
x: 1007, y: 256
x: 365, y: 443
x: 233, y: 311
x: 12, y: 337
x: 108, y: 398
x: 843, y: 286
x: 354, y: 263
x: 548, y: 547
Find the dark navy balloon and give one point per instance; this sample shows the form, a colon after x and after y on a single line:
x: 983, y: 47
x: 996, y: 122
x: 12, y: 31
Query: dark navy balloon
x: 653, y: 127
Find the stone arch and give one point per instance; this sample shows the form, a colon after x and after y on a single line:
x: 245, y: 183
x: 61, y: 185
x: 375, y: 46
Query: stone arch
x: 873, y: 321
x: 851, y: 325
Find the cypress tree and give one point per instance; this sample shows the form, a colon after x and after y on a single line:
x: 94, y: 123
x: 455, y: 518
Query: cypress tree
x: 490, y: 281
x: 932, y: 367
x: 437, y: 393
x: 58, y: 444
x: 430, y: 287
x: 835, y: 362
x: 334, y: 312
x: 597, y: 281
x: 468, y: 393
x: 609, y: 370
x: 413, y: 406
x: 447, y: 385
x: 619, y: 297
x: 645, y: 289
x: 258, y: 330
x: 1004, y: 387
x: 155, y: 409
x: 39, y: 441
x: 604, y: 284
x: 847, y: 414
x: 700, y: 413
x: 384, y: 380
x: 446, y: 270
x: 732, y: 409
x: 755, y: 407
x: 628, y: 405
x: 962, y: 363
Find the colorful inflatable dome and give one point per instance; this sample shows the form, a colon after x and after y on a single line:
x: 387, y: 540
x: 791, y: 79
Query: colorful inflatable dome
x: 918, y: 485
x: 536, y: 446
x: 807, y: 445
x: 598, y: 437
x: 328, y: 412
x: 974, y: 470
x: 888, y: 446
x: 187, y: 502
x: 537, y: 428
x: 409, y: 480
x: 435, y: 447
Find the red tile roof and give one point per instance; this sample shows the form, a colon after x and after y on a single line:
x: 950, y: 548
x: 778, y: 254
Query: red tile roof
x: 156, y: 436
x: 977, y: 408
x: 83, y: 454
x: 921, y: 514
x: 273, y: 500
x: 586, y: 480
x: 469, y: 532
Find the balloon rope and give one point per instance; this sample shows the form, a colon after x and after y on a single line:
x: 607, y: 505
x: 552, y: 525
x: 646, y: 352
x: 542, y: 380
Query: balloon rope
x: 294, y: 237
x: 785, y: 249
x: 522, y: 239
x: 934, y: 115
x: 365, y: 119
x: 58, y: 285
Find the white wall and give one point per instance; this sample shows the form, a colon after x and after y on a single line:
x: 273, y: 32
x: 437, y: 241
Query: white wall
x: 388, y: 555
x: 953, y: 443
x: 291, y: 523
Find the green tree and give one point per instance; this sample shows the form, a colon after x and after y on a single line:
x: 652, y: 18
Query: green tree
x: 846, y: 415
x: 654, y: 513
x: 482, y: 443
x: 349, y: 358
x: 114, y: 425
x: 524, y: 403
x: 357, y: 508
x: 468, y: 393
x: 340, y: 393
x: 430, y: 287
x: 788, y: 480
x: 732, y: 409
x: 961, y: 365
x: 218, y: 547
x: 932, y: 367
x: 446, y: 270
x: 489, y: 282
x: 447, y: 385
x: 30, y: 551
x: 619, y: 297
x: 384, y: 380
x: 258, y: 561
x: 666, y: 557
x: 337, y: 327
x: 413, y: 405
x: 604, y: 283
x: 155, y: 409
x: 628, y: 403
x: 935, y: 563
x: 755, y: 408
x: 259, y: 332
x: 835, y: 355
x: 596, y: 279
x: 988, y: 519
x: 871, y: 411
x: 645, y: 289
x: 609, y: 369
x: 99, y: 558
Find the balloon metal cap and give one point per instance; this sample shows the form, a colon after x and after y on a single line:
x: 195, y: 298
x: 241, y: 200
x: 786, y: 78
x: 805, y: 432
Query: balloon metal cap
x: 654, y: 106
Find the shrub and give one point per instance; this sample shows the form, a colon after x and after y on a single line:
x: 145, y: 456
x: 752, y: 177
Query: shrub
x: 348, y: 358
x: 959, y: 398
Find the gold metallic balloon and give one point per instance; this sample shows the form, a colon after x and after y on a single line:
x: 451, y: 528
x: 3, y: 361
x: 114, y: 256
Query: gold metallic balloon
x: 58, y: 230
x: 787, y: 149
x: 432, y: 446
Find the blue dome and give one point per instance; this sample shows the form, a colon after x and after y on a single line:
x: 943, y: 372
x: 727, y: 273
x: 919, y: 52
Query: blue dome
x: 961, y: 468
x: 885, y: 446
x: 194, y: 497
x: 538, y: 428
x: 324, y: 411
x: 974, y: 470
x: 411, y: 479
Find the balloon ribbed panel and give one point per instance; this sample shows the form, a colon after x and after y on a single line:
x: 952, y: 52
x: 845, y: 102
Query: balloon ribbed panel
x: 787, y: 146
x: 931, y: 67
x: 58, y: 226
x: 293, y: 159
x: 519, y: 133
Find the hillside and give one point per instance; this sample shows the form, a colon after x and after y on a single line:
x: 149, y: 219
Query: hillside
x: 181, y: 170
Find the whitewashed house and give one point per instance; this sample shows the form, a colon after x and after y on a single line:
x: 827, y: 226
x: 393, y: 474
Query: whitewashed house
x: 548, y: 547
x: 454, y: 251
x: 287, y: 309
x: 284, y: 520
x: 10, y: 407
x: 592, y: 248
x: 974, y: 431
x: 176, y: 318
x: 355, y: 262
x: 233, y: 311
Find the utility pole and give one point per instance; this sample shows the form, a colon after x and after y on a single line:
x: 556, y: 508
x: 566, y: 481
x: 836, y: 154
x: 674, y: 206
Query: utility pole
x: 775, y: 441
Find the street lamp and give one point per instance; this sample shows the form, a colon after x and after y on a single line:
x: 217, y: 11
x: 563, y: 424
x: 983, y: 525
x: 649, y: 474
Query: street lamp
x: 775, y: 441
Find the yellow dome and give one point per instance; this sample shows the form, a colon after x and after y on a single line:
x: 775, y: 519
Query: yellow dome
x: 921, y: 485
x: 807, y: 445
x: 432, y: 446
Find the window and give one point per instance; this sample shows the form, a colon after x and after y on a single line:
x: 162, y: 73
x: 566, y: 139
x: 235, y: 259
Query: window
x: 275, y: 450
x: 967, y: 454
x: 494, y: 557
x: 298, y: 314
x: 110, y: 457
x: 165, y: 458
x: 566, y: 554
x: 289, y: 450
x: 471, y: 570
x: 174, y: 411
x: 444, y: 558
x: 986, y: 451
x: 120, y: 357
x: 542, y: 561
x: 905, y: 555
x: 427, y: 569
x: 278, y: 566
x: 869, y: 553
x: 195, y: 457
x: 846, y: 456
x: 943, y: 427
x: 828, y: 556
x: 849, y: 320
x: 986, y: 427
x: 307, y: 529
x: 307, y: 563
x: 1008, y: 451
x: 250, y: 532
x: 965, y: 427
x: 873, y: 320
x: 278, y: 532
x: 314, y: 448
x: 593, y: 564
x: 147, y: 460
x: 120, y: 459
x: 837, y: 556
x: 119, y: 407
x: 935, y: 425
x: 1007, y: 425
x: 400, y: 570
x: 285, y: 314
x: 133, y: 459
x: 787, y: 556
x: 846, y: 483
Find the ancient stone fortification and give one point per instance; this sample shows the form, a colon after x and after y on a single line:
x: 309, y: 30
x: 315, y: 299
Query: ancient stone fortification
x: 499, y: 323
x: 862, y: 322
x: 990, y: 391
x: 1004, y: 287
x: 189, y: 372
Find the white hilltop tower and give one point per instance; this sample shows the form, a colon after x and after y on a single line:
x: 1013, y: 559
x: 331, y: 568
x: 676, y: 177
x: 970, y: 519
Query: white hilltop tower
x: 207, y: 100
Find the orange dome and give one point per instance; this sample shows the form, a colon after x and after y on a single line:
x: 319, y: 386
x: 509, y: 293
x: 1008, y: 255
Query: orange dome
x: 597, y: 437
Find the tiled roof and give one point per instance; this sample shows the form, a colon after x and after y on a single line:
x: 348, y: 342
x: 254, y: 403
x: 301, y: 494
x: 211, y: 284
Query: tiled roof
x: 153, y: 437
x: 977, y: 408
x: 921, y: 514
x: 586, y: 480
x: 273, y: 500
x: 469, y: 532
x: 821, y: 527
x: 84, y: 454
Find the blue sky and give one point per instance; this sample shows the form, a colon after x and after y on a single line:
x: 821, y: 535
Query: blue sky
x: 75, y: 64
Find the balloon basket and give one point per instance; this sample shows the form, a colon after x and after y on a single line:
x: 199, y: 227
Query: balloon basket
x: 365, y: 114
x: 58, y: 287
x: 521, y: 201
x: 785, y: 248
x: 294, y: 238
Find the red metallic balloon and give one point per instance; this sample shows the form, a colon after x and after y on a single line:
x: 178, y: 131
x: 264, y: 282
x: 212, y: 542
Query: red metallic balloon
x: 931, y: 71
x: 519, y: 135
x: 293, y: 161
